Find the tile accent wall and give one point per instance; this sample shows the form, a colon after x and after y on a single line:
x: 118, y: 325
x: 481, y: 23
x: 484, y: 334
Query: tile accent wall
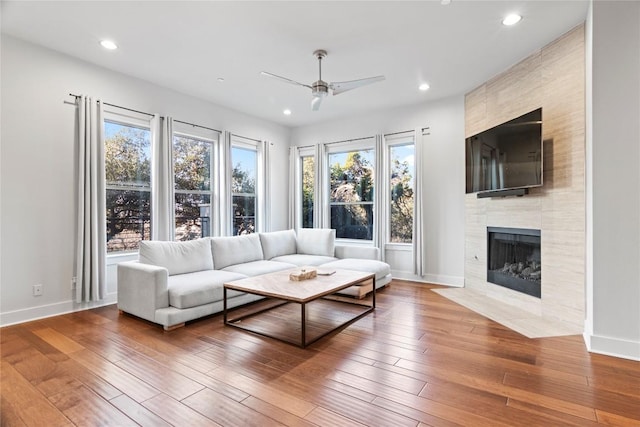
x: 552, y: 78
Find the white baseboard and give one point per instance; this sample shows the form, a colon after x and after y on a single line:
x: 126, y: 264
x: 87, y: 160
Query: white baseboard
x: 436, y: 279
x: 50, y: 310
x: 612, y: 346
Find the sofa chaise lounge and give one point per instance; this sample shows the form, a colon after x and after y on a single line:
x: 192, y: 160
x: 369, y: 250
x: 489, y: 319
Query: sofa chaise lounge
x: 174, y: 282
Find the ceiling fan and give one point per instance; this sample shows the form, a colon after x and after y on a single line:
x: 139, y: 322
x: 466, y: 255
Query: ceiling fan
x: 320, y: 88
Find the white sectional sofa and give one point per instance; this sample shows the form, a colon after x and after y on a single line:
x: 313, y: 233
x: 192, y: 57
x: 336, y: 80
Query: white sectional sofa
x: 174, y: 282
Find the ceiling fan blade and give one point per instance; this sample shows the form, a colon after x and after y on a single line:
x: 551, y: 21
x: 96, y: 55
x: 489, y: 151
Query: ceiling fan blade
x: 340, y: 87
x: 315, y: 103
x: 284, y: 79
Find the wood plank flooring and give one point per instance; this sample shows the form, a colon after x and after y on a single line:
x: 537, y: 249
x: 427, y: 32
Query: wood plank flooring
x: 418, y: 360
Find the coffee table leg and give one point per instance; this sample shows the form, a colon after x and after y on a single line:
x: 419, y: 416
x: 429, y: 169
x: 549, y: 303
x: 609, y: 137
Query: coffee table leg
x: 224, y: 303
x: 303, y: 319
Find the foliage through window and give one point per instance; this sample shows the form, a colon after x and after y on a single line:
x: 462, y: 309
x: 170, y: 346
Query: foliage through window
x: 128, y: 185
x: 308, y: 179
x: 192, y: 160
x: 243, y: 189
x: 402, y: 170
x: 351, y: 193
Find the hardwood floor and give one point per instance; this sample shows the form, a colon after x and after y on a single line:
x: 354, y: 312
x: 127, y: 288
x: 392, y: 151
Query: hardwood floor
x: 418, y: 360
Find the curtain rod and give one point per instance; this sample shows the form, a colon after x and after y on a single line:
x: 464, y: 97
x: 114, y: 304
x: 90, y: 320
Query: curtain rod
x: 198, y: 126
x: 152, y: 115
x: 245, y: 137
x: 118, y: 106
x: 398, y: 133
x: 349, y: 140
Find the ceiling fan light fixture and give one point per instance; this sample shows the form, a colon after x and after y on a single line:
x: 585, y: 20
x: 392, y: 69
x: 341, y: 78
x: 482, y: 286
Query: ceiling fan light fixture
x: 511, y: 19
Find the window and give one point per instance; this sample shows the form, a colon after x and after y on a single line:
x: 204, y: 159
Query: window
x: 401, y: 197
x: 308, y: 180
x: 351, y: 185
x: 243, y: 189
x: 192, y: 166
x: 128, y: 185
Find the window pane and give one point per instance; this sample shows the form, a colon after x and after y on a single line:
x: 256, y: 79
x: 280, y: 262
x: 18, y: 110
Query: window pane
x: 191, y: 163
x: 351, y: 176
x: 193, y: 215
x: 243, y: 176
x: 353, y: 221
x: 308, y: 178
x: 351, y: 184
x: 243, y: 189
x: 128, y: 219
x: 244, y: 214
x: 127, y: 155
x: 401, y: 197
x: 128, y: 176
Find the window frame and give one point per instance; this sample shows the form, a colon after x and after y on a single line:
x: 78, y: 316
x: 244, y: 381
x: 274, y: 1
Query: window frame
x: 390, y: 141
x: 209, y: 137
x: 362, y: 144
x: 132, y: 120
x: 250, y: 145
x: 303, y: 153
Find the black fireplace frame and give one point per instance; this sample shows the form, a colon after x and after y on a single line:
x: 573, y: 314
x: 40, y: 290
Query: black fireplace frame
x: 529, y: 287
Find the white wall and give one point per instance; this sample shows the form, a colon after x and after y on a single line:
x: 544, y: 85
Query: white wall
x: 37, y: 166
x: 613, y: 153
x: 443, y: 181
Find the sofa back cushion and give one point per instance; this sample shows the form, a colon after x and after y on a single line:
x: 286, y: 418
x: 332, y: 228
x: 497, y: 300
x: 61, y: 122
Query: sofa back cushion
x: 316, y: 241
x: 278, y: 243
x: 235, y: 250
x: 177, y: 257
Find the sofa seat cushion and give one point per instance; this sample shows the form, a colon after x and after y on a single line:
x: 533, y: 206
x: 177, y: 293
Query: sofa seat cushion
x: 381, y: 269
x: 199, y: 288
x: 278, y: 243
x: 301, y: 259
x: 256, y: 268
x: 177, y: 257
x: 235, y: 250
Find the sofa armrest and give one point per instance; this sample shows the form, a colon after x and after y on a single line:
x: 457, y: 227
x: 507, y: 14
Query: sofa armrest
x: 142, y: 289
x: 358, y: 252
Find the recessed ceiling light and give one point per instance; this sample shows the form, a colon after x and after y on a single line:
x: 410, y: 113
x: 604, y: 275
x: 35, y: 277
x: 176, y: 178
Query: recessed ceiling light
x: 424, y: 86
x: 287, y: 112
x: 511, y: 19
x: 108, y: 44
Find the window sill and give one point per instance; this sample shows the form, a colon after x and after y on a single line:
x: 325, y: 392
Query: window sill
x: 399, y: 247
x: 116, y: 258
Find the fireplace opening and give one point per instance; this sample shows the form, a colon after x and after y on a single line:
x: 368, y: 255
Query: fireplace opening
x: 513, y: 259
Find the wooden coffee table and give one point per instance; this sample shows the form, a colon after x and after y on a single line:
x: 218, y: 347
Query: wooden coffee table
x: 277, y: 286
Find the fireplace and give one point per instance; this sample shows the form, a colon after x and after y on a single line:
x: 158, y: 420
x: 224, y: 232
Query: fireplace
x: 513, y: 259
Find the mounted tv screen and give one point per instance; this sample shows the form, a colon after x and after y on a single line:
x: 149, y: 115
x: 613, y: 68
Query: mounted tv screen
x: 507, y: 156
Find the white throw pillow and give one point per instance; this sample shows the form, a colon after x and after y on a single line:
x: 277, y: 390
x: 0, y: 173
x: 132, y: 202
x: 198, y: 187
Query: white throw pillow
x: 278, y: 243
x: 235, y: 250
x: 316, y: 241
x: 177, y: 257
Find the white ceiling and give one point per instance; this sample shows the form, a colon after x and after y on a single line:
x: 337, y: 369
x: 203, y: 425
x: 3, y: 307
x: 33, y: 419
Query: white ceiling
x: 186, y: 46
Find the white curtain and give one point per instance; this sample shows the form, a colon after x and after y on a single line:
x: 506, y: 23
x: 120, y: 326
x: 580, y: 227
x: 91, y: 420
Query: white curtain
x: 294, y: 156
x: 419, y: 255
x: 320, y: 205
x: 381, y: 192
x: 264, y: 221
x: 91, y: 246
x: 223, y: 227
x: 162, y: 212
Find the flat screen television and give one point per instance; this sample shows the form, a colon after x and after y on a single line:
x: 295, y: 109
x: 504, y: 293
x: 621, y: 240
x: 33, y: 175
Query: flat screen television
x: 506, y: 157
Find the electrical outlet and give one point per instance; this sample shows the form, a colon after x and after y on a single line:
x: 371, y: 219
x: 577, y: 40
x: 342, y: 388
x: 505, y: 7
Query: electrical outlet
x: 37, y: 290
x: 73, y: 283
